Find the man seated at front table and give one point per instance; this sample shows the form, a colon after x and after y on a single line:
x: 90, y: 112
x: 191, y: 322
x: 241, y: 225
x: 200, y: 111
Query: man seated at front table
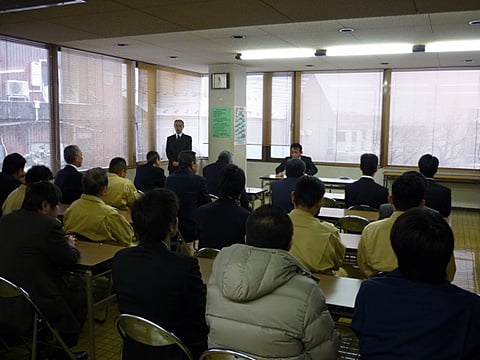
x: 260, y: 299
x: 365, y: 191
x: 282, y: 189
x: 158, y: 284
x: 91, y: 218
x: 121, y: 193
x: 414, y: 312
x: 375, y: 253
x: 316, y: 243
x: 296, y: 153
x: 36, y: 255
x: 150, y: 175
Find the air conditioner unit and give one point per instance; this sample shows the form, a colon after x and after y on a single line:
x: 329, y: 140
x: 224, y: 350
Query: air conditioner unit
x: 17, y: 88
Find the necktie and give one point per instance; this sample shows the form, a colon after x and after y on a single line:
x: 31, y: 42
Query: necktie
x: 178, y: 137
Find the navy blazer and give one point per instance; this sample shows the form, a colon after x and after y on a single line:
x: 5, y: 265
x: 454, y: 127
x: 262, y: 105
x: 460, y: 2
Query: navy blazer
x: 438, y: 197
x: 69, y: 180
x: 148, y: 177
x: 310, y: 168
x: 192, y: 193
x: 174, y: 147
x: 365, y: 191
x: 281, y: 192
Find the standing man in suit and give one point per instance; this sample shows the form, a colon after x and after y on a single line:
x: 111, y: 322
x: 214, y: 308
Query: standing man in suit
x: 365, y: 191
x: 282, y: 189
x: 437, y: 196
x: 158, y: 284
x: 12, y: 175
x: 296, y: 153
x: 175, y: 144
x: 69, y: 179
x: 191, y: 190
x: 150, y: 175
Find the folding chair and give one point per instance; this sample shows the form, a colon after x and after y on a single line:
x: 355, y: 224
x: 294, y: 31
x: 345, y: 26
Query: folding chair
x: 352, y: 224
x: 207, y: 253
x: 362, y: 207
x: 224, y: 354
x: 329, y: 203
x: 147, y: 332
x: 11, y: 292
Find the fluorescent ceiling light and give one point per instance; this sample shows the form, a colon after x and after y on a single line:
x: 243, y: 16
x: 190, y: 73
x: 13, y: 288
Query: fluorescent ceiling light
x: 369, y: 49
x: 25, y: 5
x: 277, y: 53
x: 453, y: 46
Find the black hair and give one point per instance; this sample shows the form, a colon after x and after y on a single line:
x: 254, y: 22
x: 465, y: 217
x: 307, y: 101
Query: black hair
x: 38, y: 173
x: 116, y: 165
x: 295, y: 168
x: 269, y: 226
x: 41, y: 191
x: 154, y: 213
x: 152, y: 157
x: 70, y: 152
x: 368, y: 164
x: 423, y: 243
x: 408, y: 190
x: 428, y: 165
x: 186, y: 159
x: 309, y: 190
x: 94, y: 181
x: 296, y: 145
x: 12, y: 163
x: 231, y: 181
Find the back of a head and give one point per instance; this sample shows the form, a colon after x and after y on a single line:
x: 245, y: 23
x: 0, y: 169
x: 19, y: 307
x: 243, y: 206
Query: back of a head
x: 408, y: 190
x: 186, y: 158
x: 94, y: 181
x: 152, y: 157
x: 423, y: 243
x: 154, y: 213
x: 309, y: 190
x: 12, y: 163
x: 368, y: 164
x: 225, y: 156
x: 117, y: 165
x: 428, y: 165
x: 295, y: 168
x: 270, y: 227
x: 39, y: 192
x: 38, y: 173
x: 231, y: 181
x: 296, y: 146
x: 70, y: 152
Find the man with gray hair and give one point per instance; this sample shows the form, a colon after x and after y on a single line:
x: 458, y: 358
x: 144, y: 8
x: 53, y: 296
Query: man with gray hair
x: 69, y: 179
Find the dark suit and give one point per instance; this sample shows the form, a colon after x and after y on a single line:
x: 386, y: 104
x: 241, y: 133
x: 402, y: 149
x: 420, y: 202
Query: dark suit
x: 365, y: 191
x: 221, y: 224
x: 174, y: 147
x: 148, y: 177
x: 438, y: 197
x: 164, y: 287
x: 192, y: 193
x: 310, y: 168
x: 69, y: 180
x: 281, y: 192
x: 31, y: 257
x: 211, y: 173
x: 7, y: 184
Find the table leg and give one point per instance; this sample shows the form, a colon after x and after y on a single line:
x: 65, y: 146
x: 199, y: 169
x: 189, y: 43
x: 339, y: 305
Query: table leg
x: 91, y: 337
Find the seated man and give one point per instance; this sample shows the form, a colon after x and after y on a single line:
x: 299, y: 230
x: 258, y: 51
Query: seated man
x: 437, y: 196
x: 12, y: 175
x: 296, y: 153
x: 316, y: 243
x: 414, y: 312
x: 69, y: 179
x: 375, y: 253
x: 365, y: 191
x: 282, y: 189
x: 191, y: 190
x: 33, y: 250
x: 160, y: 285
x: 261, y: 301
x: 150, y: 175
x: 222, y: 222
x: 91, y: 218
x: 14, y: 201
x: 121, y: 193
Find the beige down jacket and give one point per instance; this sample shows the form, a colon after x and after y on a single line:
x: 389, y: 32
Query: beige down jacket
x: 262, y: 302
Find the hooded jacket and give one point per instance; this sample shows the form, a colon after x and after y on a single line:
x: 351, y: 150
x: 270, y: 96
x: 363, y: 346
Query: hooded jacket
x: 264, y: 303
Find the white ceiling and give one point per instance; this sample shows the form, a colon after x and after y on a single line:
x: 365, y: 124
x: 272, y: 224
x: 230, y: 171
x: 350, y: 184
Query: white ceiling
x: 199, y: 32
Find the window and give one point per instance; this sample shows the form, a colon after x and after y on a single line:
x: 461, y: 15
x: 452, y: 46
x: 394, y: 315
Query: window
x: 435, y: 112
x: 340, y: 115
x: 254, y: 116
x: 24, y: 102
x: 281, y: 114
x: 93, y: 106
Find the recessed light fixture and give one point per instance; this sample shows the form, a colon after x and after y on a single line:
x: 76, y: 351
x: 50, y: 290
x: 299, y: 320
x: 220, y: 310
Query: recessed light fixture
x: 309, y: 65
x: 173, y: 56
x: 467, y: 61
x: 474, y: 22
x: 239, y: 37
x: 384, y: 63
x: 346, y: 30
x: 122, y: 44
